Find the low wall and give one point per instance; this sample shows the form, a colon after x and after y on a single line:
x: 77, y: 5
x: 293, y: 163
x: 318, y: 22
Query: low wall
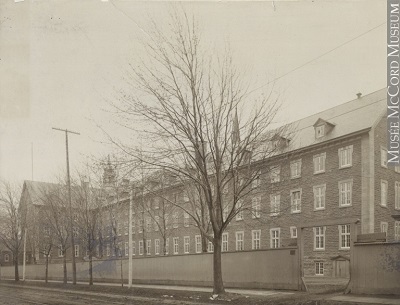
x: 375, y: 269
x: 271, y: 269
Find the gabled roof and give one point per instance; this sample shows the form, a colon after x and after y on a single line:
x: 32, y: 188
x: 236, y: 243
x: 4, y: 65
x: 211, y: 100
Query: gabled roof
x: 348, y: 118
x: 321, y: 122
x: 32, y: 190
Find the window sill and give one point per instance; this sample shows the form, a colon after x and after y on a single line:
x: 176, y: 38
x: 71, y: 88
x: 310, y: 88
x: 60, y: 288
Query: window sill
x: 345, y: 166
x: 297, y: 177
x: 345, y: 206
x: 383, y: 206
x: 344, y: 249
x: 295, y: 212
x: 319, y: 209
x: 319, y: 250
x: 317, y: 173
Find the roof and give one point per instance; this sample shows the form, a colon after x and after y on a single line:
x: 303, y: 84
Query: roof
x: 348, y: 118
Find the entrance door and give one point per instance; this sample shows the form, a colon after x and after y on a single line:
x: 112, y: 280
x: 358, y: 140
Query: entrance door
x: 341, y: 268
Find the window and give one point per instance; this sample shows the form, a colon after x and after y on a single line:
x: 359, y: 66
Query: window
x: 319, y: 131
x: 344, y: 236
x: 239, y: 241
x: 75, y: 230
x: 108, y: 251
x: 76, y: 251
x: 126, y: 248
x: 126, y: 227
x: 198, y: 243
x: 255, y: 239
x: 148, y: 225
x: 345, y: 156
x: 225, y: 212
x: 175, y: 219
x: 397, y: 195
x: 148, y: 247
x: 397, y: 230
x: 167, y: 246
x: 157, y: 203
x: 118, y: 229
x: 239, y: 205
x: 384, y: 192
x: 319, y: 268
x: 256, y: 182
x: 345, y: 192
x: 140, y: 247
x: 210, y: 247
x: 60, y: 251
x: 295, y: 169
x: 295, y: 201
x: 186, y: 244
x: 133, y: 248
x: 397, y: 168
x: 384, y: 227
x: 275, y: 174
x: 256, y: 207
x: 6, y: 257
x: 140, y: 225
x: 186, y: 219
x: 383, y: 157
x: 319, y: 238
x: 293, y: 232
x: 319, y: 163
x: 275, y: 204
x: 176, y: 245
x: 156, y: 246
x: 319, y: 197
x: 224, y: 242
x: 185, y: 197
x: 275, y: 238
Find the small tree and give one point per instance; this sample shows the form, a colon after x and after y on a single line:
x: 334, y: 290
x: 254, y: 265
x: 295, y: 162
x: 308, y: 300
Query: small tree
x: 12, y: 221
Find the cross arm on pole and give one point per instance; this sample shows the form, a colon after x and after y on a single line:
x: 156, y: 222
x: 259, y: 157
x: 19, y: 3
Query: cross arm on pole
x: 66, y: 130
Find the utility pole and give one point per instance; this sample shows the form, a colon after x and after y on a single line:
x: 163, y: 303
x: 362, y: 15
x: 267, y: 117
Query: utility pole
x: 70, y: 203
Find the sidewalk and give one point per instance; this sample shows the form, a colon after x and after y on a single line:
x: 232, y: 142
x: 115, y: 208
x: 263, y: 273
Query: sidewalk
x: 366, y: 299
x: 183, y: 288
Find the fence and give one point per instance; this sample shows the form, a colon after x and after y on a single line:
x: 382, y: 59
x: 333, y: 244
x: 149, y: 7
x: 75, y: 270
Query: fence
x: 271, y: 269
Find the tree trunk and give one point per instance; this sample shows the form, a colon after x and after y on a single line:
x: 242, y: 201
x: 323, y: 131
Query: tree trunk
x: 204, y: 243
x: 90, y: 268
x: 46, y: 276
x: 217, y: 260
x: 65, y: 267
x: 16, y: 275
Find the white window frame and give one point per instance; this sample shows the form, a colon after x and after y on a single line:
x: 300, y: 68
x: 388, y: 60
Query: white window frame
x: 344, y: 237
x: 156, y: 246
x: 175, y: 242
x: 140, y: 247
x: 319, y: 266
x: 239, y: 241
x: 384, y: 193
x: 345, y: 156
x: 198, y: 247
x: 319, y: 197
x: 348, y: 191
x: 108, y: 250
x: 239, y: 208
x: 295, y: 169
x: 319, y: 163
x: 397, y: 230
x: 126, y: 248
x: 60, y: 251
x: 319, y: 235
x: 320, y: 131
x: 255, y: 239
x: 6, y: 257
x: 210, y: 247
x: 275, y: 202
x: 186, y: 244
x: 186, y: 218
x: 397, y: 168
x: 295, y: 206
x: 133, y: 248
x: 275, y: 238
x: 293, y: 232
x: 148, y: 247
x: 383, y: 157
x: 397, y: 195
x: 225, y: 244
x: 256, y: 207
x: 156, y: 223
x: 384, y: 227
x: 167, y: 246
x: 76, y: 250
x: 175, y: 220
x: 275, y: 174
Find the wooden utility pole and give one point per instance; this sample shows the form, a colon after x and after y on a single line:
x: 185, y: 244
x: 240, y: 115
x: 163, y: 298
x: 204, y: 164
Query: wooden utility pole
x: 70, y: 203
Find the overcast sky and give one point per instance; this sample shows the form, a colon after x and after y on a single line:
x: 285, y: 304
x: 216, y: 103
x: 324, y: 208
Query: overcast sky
x: 61, y: 62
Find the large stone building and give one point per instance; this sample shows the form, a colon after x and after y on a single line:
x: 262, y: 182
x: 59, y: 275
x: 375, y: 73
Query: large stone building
x: 333, y: 167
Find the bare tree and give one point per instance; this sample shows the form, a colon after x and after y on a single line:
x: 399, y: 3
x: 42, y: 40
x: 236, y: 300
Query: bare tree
x: 55, y: 213
x: 188, y: 112
x: 12, y: 221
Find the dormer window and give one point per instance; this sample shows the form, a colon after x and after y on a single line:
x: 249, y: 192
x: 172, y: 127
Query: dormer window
x: 322, y: 128
x: 319, y: 131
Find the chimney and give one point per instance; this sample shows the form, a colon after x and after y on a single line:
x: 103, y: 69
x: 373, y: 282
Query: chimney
x: 359, y: 95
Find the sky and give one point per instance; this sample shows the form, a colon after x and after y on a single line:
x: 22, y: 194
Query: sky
x: 63, y: 62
